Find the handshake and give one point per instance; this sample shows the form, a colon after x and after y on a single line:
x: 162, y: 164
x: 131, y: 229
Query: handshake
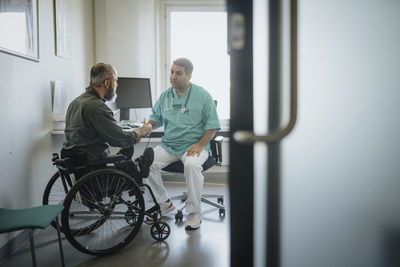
x: 145, y: 129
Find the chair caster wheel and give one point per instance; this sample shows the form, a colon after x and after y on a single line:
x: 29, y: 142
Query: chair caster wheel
x: 179, y: 216
x: 222, y: 212
x: 220, y: 200
x: 160, y: 231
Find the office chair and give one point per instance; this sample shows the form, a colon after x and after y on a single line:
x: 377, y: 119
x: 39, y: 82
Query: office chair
x: 31, y: 218
x: 214, y: 159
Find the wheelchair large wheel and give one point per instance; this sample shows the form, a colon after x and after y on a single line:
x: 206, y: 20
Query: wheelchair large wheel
x: 103, y: 212
x: 55, y: 193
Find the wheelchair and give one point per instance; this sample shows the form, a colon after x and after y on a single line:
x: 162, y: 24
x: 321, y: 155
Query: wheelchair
x: 103, y: 205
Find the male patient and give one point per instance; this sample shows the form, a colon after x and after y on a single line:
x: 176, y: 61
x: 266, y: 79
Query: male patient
x: 188, y: 114
x: 91, y: 127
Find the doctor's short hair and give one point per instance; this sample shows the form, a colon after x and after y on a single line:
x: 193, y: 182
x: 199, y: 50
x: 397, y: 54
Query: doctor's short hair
x: 101, y: 72
x: 184, y: 62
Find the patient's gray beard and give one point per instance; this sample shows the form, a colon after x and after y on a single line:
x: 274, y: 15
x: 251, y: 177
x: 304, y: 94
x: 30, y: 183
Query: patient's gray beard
x: 110, y: 96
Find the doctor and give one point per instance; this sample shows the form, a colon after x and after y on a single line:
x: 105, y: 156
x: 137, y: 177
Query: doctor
x: 188, y: 114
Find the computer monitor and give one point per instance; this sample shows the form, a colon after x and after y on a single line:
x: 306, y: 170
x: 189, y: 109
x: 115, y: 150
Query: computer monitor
x: 132, y: 93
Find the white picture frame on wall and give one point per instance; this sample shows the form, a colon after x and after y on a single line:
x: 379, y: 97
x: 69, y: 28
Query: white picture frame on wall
x: 63, y: 28
x: 19, y: 28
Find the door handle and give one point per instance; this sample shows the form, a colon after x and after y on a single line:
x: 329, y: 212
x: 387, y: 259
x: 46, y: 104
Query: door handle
x: 248, y: 137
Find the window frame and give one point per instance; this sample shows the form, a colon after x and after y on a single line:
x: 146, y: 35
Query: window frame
x: 163, y: 53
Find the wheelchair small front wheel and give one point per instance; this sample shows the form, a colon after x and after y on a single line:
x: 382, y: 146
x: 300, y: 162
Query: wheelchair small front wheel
x: 160, y: 231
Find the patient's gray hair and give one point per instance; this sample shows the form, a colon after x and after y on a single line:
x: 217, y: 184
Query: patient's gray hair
x: 101, y: 72
x: 184, y: 62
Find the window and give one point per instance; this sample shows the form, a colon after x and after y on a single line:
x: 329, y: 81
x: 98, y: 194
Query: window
x: 200, y: 34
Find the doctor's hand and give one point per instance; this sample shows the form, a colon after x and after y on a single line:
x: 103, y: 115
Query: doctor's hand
x: 195, y: 149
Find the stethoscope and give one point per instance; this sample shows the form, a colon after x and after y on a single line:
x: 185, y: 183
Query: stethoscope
x: 171, y: 105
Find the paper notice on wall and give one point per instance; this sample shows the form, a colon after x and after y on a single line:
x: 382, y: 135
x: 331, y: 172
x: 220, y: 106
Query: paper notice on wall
x: 57, y: 97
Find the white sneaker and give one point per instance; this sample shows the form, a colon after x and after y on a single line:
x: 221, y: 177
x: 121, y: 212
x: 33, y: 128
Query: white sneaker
x: 165, y: 208
x: 193, y: 222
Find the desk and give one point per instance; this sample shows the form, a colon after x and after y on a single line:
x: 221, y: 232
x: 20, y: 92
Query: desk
x: 157, y: 133
x: 155, y: 139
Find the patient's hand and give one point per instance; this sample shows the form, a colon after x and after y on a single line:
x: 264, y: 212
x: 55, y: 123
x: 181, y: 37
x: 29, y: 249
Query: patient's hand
x: 195, y: 149
x: 145, y: 129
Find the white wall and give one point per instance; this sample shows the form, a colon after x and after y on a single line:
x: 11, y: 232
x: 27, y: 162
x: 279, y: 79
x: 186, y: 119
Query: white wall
x: 340, y: 165
x: 26, y: 144
x: 125, y: 37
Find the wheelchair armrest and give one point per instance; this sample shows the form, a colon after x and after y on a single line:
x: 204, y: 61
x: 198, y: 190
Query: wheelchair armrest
x: 55, y: 157
x: 67, y: 166
x: 63, y: 164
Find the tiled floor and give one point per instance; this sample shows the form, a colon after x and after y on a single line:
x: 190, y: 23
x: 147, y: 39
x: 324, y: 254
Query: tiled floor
x: 207, y: 246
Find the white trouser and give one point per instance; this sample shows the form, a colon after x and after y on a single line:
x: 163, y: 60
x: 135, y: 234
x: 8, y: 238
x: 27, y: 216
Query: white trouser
x: 192, y: 172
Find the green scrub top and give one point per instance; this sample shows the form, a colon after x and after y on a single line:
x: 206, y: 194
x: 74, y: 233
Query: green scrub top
x: 183, y: 129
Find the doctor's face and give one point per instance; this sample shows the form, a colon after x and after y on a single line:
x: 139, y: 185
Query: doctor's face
x: 178, y: 77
